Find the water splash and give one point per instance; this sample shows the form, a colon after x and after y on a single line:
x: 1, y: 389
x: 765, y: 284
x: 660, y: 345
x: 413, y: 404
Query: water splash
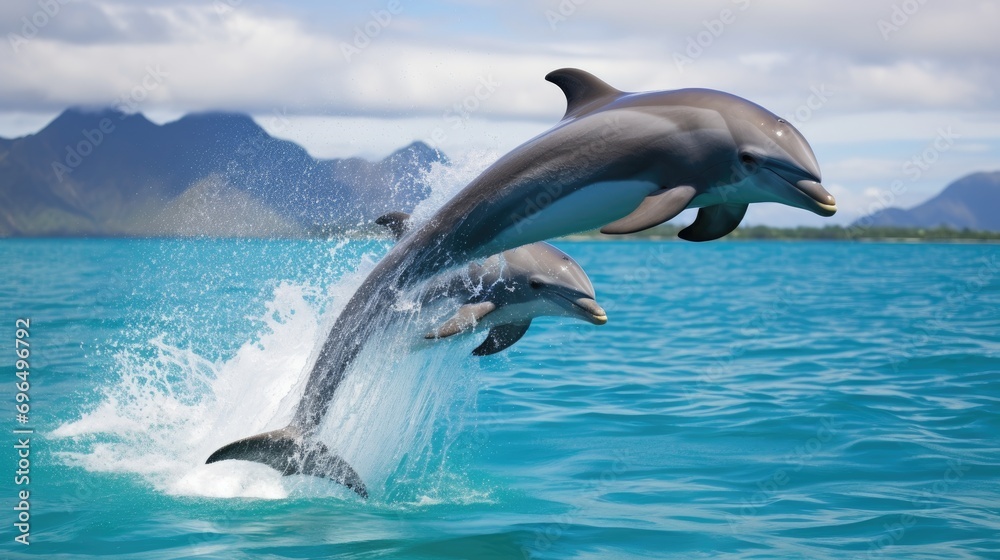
x: 394, y: 418
x: 445, y: 180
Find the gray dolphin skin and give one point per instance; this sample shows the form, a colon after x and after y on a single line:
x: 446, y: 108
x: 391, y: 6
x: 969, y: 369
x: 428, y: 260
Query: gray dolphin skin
x: 504, y: 292
x: 618, y: 161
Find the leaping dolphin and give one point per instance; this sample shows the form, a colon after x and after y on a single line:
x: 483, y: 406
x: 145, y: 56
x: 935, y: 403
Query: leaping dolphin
x: 505, y: 292
x: 620, y: 161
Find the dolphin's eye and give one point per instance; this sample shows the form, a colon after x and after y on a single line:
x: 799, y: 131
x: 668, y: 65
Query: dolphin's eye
x: 782, y: 121
x: 535, y: 284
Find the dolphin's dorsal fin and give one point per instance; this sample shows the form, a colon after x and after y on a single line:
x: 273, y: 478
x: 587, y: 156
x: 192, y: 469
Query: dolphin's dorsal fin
x: 464, y: 319
x: 581, y: 89
x: 501, y: 337
x: 714, y: 222
x: 654, y: 210
x: 397, y: 222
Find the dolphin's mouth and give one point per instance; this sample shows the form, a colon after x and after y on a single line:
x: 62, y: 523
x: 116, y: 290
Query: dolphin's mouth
x: 809, y: 194
x: 825, y: 204
x: 587, y: 307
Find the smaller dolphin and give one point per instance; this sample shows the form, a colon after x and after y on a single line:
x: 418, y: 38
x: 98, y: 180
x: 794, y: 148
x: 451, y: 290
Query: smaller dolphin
x: 506, y: 291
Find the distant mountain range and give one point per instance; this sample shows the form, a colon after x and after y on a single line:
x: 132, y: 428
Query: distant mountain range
x: 972, y: 202
x: 108, y: 173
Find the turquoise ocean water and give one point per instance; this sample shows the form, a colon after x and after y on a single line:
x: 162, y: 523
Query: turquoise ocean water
x: 745, y: 400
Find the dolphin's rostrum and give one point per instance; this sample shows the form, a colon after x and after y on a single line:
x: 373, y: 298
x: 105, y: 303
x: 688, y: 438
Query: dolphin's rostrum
x: 619, y: 161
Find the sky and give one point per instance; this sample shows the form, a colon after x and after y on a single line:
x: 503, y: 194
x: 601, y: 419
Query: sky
x: 897, y: 97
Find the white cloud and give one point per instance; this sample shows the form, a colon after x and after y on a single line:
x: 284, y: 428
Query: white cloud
x: 862, y: 169
x: 14, y: 124
x: 251, y: 60
x: 893, y: 125
x: 424, y: 68
x: 337, y: 137
x: 913, y: 84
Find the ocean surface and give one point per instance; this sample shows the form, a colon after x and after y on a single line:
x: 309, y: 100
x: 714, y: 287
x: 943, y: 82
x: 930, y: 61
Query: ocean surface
x: 745, y: 400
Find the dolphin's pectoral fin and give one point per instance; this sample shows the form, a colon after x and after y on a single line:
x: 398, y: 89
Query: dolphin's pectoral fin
x: 581, y: 88
x: 286, y: 451
x: 464, y: 319
x: 500, y: 338
x: 714, y: 222
x: 654, y: 210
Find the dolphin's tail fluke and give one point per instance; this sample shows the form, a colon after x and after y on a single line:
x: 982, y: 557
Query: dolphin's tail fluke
x: 287, y: 451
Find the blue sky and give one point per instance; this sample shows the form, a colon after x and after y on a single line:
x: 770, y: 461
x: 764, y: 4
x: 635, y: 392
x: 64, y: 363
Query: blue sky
x: 874, y: 85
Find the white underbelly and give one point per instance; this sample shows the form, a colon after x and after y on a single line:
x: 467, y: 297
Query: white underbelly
x: 588, y: 208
